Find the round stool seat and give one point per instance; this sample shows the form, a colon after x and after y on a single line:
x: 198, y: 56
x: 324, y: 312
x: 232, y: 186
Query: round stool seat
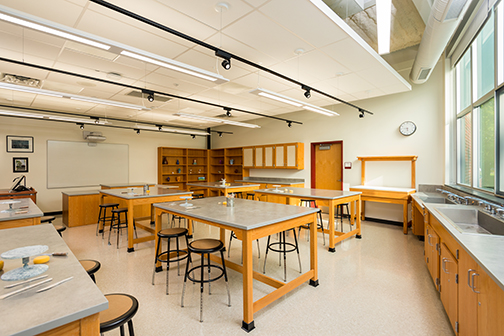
x: 91, y: 266
x: 109, y: 205
x: 120, y: 210
x: 173, y: 232
x: 60, y: 228
x: 47, y: 219
x: 122, y: 308
x: 207, y: 245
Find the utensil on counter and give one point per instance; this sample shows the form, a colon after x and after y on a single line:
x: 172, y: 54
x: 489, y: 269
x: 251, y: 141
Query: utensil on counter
x: 55, y: 254
x: 24, y: 289
x: 27, y: 281
x: 54, y: 285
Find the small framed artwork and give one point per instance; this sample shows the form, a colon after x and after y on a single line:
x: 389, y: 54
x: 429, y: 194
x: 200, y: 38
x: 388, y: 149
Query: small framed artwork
x: 19, y: 144
x: 20, y: 165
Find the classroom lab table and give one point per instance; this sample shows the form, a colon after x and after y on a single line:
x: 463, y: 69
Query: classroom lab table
x: 26, y: 214
x: 224, y: 189
x: 250, y: 220
x: 330, y: 198
x: 73, y: 308
x: 393, y: 195
x: 137, y: 197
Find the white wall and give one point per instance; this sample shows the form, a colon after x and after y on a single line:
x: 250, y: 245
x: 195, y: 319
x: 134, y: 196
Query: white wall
x: 373, y: 135
x: 142, y: 153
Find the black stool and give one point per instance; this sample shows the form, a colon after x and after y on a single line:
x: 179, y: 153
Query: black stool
x: 47, y: 219
x: 233, y: 236
x: 250, y: 195
x: 102, y: 216
x: 238, y: 194
x: 121, y: 309
x: 198, y: 196
x: 313, y: 204
x: 175, y: 217
x: 168, y: 234
x: 119, y: 225
x: 205, y: 247
x: 283, y: 244
x: 339, y: 215
x: 91, y: 267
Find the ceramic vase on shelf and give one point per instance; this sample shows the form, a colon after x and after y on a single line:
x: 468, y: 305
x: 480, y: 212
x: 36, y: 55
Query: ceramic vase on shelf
x: 168, y: 179
x: 178, y: 162
x: 179, y: 171
x: 194, y: 162
x: 231, y: 161
x: 165, y: 161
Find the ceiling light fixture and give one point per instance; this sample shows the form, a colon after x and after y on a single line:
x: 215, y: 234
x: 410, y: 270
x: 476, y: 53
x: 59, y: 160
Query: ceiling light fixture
x: 177, y: 66
x: 217, y: 120
x: 307, y: 93
x: 20, y: 88
x: 193, y: 136
x: 294, y: 102
x: 289, y: 124
x: 75, y: 120
x: 80, y: 125
x: 228, y: 111
x: 226, y: 63
x: 169, y: 130
x: 160, y: 128
x: 45, y: 28
x: 20, y: 114
x: 220, y: 134
x: 150, y: 95
x: 137, y: 131
x: 361, y: 113
x: 383, y: 13
x: 108, y: 102
x: 150, y: 98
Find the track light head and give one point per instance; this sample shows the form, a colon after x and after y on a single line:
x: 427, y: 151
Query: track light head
x: 193, y: 136
x: 150, y: 95
x: 226, y: 64
x: 228, y: 112
x: 96, y: 119
x: 220, y: 134
x: 307, y: 93
x: 137, y: 131
x: 150, y: 98
x: 361, y: 114
x: 160, y: 127
x: 81, y: 126
x: 289, y: 123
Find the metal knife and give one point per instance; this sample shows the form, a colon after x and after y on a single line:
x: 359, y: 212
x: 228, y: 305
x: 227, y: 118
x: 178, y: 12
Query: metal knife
x: 55, y: 284
x: 27, y: 281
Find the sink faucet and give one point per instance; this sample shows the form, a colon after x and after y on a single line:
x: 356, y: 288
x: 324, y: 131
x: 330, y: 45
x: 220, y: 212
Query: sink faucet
x: 500, y: 212
x: 490, y: 207
x: 442, y: 191
x: 471, y: 200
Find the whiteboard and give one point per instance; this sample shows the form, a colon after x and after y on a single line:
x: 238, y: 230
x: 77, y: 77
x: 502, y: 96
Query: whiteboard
x: 76, y: 164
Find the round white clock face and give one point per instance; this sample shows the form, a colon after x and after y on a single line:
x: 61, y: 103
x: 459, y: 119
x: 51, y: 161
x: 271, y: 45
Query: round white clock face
x: 407, y: 128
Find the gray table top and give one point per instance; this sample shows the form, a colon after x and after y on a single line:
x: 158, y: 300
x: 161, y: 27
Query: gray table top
x: 31, y: 313
x: 487, y: 250
x: 81, y: 192
x: 245, y: 215
x: 220, y: 186
x: 139, y: 193
x: 398, y: 189
x: 31, y: 211
x: 309, y: 193
x: 126, y: 185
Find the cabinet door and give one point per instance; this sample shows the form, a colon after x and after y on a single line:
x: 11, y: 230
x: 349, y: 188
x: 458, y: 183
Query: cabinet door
x: 448, y: 283
x: 467, y: 296
x: 490, y: 305
x: 280, y: 156
x: 291, y: 156
x: 259, y: 161
x: 248, y: 157
x: 431, y: 254
x: 269, y: 156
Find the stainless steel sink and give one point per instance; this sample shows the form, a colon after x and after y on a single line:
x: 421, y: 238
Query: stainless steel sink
x: 473, y: 221
x: 441, y: 200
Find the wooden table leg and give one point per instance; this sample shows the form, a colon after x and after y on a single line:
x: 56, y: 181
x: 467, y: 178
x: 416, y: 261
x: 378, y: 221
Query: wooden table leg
x: 405, y: 217
x: 358, y: 219
x: 352, y: 213
x: 248, y: 282
x: 130, y: 226
x: 331, y: 226
x: 222, y: 236
x: 189, y: 228
x: 363, y: 210
x: 313, y: 251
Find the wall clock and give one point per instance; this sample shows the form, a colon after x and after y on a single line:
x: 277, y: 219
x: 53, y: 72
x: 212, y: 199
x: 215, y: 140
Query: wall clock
x: 407, y: 128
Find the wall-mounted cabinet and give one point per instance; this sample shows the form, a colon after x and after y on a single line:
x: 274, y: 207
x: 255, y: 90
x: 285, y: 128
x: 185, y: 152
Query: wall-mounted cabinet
x: 277, y: 156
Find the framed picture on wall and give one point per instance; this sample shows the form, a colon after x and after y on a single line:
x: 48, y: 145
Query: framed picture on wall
x: 20, y: 165
x: 19, y: 144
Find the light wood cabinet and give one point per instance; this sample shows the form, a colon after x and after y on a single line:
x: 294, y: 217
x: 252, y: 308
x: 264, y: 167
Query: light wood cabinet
x: 276, y: 156
x: 269, y: 156
x: 431, y: 244
x: 248, y: 157
x: 468, y: 297
x: 258, y: 157
x: 279, y: 156
x: 448, y: 287
x: 417, y: 218
x: 490, y: 304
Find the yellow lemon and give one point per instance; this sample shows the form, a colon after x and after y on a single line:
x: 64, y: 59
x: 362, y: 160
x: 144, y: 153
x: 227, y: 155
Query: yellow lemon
x: 1, y: 264
x: 41, y: 259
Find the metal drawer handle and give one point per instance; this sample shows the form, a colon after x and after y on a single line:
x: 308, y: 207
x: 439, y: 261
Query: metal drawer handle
x: 428, y: 240
x: 472, y: 281
x: 443, y: 265
x: 469, y: 277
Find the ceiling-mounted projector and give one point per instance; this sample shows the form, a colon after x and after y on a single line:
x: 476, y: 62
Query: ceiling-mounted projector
x: 93, y: 136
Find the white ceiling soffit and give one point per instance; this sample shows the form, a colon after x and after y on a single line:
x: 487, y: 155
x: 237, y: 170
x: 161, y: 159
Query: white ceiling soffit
x: 335, y: 59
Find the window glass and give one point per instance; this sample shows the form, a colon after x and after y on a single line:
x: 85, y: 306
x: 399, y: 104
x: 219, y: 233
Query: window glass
x: 464, y: 141
x: 483, y: 60
x: 463, y: 75
x: 500, y: 43
x: 484, y: 146
x: 500, y: 107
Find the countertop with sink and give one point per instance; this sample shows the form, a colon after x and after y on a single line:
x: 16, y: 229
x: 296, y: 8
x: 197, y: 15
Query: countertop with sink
x: 461, y: 221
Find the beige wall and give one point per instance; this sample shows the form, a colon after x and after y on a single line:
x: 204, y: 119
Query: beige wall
x: 142, y: 153
x: 373, y: 135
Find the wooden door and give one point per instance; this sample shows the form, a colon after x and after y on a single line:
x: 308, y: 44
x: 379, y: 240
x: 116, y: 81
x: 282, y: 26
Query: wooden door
x: 468, y: 298
x: 448, y: 283
x: 490, y: 304
x: 327, y: 165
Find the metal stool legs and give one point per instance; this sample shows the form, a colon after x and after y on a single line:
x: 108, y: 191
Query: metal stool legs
x: 282, y: 243
x: 231, y: 236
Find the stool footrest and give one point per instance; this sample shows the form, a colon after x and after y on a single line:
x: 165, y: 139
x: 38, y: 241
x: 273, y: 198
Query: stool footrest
x: 205, y: 267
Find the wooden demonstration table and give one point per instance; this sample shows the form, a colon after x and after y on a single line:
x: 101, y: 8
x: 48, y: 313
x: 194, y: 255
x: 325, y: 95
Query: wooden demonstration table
x: 330, y: 198
x: 250, y: 220
x: 156, y: 195
x: 73, y: 308
x: 224, y: 189
x: 8, y: 194
x: 24, y: 213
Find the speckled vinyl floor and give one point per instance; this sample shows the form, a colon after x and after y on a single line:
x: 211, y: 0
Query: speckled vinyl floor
x: 377, y: 285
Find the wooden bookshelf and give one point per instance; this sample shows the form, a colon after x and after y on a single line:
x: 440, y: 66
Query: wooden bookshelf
x: 233, y: 164
x: 217, y: 167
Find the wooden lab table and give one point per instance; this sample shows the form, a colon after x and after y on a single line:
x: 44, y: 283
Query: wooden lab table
x: 30, y: 193
x: 250, y: 220
x: 224, y: 189
x: 73, y: 308
x: 26, y: 213
x: 386, y: 195
x: 330, y: 198
x: 156, y: 195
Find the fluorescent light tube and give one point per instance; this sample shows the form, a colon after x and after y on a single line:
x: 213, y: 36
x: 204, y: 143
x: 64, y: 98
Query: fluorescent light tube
x: 177, y: 66
x: 21, y: 114
x: 52, y: 31
x: 78, y: 120
x: 171, y: 130
x: 217, y: 120
x: 15, y: 87
x: 107, y: 102
x: 318, y: 110
x: 283, y: 100
x: 383, y: 14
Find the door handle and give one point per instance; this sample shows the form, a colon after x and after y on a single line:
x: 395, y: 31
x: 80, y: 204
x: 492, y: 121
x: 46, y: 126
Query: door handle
x: 428, y: 239
x: 339, y: 180
x: 443, y: 263
x: 469, y: 277
x: 472, y: 282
